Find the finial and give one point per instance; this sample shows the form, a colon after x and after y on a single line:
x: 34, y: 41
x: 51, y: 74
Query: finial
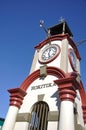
x: 61, y: 19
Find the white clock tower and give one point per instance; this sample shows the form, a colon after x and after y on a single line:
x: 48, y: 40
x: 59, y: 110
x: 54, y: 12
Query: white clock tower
x: 52, y: 97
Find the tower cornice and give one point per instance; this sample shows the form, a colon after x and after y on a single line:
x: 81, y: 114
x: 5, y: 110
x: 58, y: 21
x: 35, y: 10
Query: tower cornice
x: 16, y: 97
x: 67, y: 87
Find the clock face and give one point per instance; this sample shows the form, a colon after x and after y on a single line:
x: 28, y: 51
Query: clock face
x: 72, y: 59
x: 49, y: 53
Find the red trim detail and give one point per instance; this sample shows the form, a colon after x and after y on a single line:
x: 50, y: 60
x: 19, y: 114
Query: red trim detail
x: 67, y: 94
x: 52, y: 38
x: 50, y: 71
x: 67, y: 87
x: 83, y: 98
x: 53, y: 58
x: 16, y: 97
x: 60, y: 37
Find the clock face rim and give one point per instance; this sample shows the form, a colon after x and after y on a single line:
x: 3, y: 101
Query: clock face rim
x: 73, y: 65
x: 42, y: 61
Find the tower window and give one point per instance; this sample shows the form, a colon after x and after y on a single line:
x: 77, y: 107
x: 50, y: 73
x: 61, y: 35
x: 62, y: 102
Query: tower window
x: 39, y: 116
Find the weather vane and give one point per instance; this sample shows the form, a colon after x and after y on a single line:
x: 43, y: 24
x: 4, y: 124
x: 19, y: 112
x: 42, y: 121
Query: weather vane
x: 61, y: 19
x: 45, y: 29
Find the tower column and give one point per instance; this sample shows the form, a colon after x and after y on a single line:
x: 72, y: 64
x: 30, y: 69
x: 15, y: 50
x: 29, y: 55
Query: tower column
x: 64, y: 58
x: 67, y: 94
x: 66, y: 121
x: 16, y: 99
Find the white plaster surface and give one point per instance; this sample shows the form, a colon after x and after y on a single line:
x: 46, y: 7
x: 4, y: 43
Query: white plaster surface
x: 49, y: 91
x: 52, y: 125
x: 10, y: 118
x: 66, y: 116
x: 21, y: 126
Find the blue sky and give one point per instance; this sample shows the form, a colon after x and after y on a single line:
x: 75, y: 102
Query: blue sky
x: 20, y: 32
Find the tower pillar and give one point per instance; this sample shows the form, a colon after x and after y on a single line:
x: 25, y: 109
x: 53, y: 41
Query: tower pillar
x: 16, y: 99
x: 67, y: 94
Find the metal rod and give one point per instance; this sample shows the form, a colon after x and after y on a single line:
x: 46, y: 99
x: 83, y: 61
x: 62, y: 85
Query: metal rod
x: 80, y: 42
x: 42, y: 26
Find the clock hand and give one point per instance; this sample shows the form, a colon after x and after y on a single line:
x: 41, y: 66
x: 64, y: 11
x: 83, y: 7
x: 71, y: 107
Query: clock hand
x: 49, y: 52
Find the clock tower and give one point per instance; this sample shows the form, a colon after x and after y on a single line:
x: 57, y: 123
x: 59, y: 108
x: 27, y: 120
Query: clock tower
x: 52, y: 97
